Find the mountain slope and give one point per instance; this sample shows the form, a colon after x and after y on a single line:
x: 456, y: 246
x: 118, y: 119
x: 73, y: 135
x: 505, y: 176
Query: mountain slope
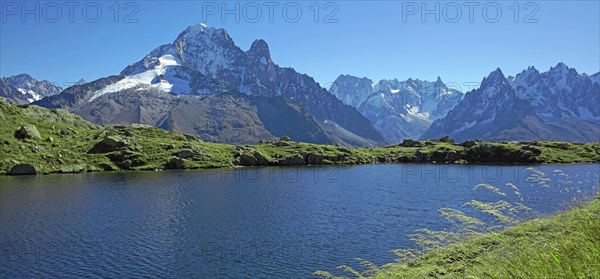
x: 397, y: 109
x: 556, y: 105
x: 205, y: 61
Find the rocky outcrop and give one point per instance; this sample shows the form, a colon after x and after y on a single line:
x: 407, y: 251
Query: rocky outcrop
x: 291, y: 161
x: 175, y: 164
x: 108, y: 144
x: 28, y: 132
x: 22, y: 169
x: 314, y: 159
x: 252, y: 158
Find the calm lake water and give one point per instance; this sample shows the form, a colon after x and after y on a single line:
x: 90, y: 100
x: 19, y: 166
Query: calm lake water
x: 247, y: 223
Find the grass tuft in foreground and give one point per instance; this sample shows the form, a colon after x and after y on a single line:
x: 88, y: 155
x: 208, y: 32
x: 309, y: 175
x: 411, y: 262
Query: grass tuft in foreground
x: 566, y: 245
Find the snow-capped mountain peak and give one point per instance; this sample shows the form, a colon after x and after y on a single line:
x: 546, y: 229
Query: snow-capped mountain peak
x: 398, y: 109
x: 32, y: 89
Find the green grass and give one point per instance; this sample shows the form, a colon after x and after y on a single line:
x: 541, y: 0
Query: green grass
x: 563, y: 246
x: 151, y: 148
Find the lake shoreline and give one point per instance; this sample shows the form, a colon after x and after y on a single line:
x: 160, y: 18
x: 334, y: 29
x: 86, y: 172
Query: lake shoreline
x: 37, y: 140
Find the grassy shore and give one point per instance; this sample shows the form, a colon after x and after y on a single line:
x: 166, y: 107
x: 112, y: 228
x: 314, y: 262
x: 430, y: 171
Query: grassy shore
x: 566, y: 245
x: 57, y: 141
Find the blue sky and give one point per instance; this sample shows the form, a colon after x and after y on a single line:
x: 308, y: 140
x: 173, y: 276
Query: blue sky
x: 378, y: 40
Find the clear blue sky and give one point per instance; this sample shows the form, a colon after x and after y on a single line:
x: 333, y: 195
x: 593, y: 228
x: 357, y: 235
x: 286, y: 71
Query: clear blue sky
x: 370, y: 39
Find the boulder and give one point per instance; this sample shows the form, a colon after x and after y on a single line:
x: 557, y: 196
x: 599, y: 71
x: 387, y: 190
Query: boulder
x: 262, y: 160
x: 411, y: 143
x: 247, y: 160
x: 291, y: 161
x: 468, y: 143
x: 126, y: 159
x: 38, y: 149
x: 184, y: 154
x: 314, y: 159
x: 282, y: 143
x: 22, y: 169
x: 108, y: 144
x: 28, y: 132
x: 446, y: 139
x: 175, y: 164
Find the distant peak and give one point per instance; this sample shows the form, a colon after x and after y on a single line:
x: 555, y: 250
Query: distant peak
x: 439, y: 80
x: 530, y: 70
x: 200, y: 29
x: 563, y: 68
x: 260, y: 48
x: 497, y: 73
x: 23, y: 75
x: 495, y: 77
x: 560, y: 66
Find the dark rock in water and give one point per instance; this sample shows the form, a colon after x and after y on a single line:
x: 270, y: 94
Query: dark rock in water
x: 184, y: 154
x: 108, y: 144
x: 314, y: 159
x: 28, y: 132
x: 175, y: 164
x: 22, y: 169
x: 291, y: 161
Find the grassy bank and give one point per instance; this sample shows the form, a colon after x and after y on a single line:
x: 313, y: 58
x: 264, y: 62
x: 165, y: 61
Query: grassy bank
x: 57, y: 141
x: 566, y: 245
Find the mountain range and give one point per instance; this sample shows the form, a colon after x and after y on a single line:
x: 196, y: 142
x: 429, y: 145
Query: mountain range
x: 23, y: 89
x: 398, y: 109
x: 559, y: 104
x: 203, y: 84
